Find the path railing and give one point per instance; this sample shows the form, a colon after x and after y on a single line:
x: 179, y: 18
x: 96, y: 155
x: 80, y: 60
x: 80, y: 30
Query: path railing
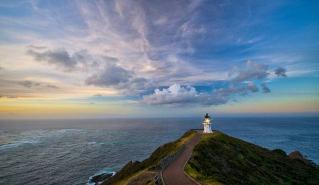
x: 165, y: 162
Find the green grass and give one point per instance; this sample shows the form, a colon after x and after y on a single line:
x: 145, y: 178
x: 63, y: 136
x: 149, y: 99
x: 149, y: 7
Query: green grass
x: 221, y: 159
x: 133, y: 168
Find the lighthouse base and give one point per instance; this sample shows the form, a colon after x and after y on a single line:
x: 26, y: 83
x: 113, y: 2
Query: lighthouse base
x: 207, y: 129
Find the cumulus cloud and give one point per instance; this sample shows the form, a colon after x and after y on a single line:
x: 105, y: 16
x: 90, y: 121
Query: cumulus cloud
x: 243, y: 83
x: 281, y: 72
x: 177, y: 95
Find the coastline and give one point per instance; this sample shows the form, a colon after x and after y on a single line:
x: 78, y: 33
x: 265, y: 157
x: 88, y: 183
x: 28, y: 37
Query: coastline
x: 133, y: 172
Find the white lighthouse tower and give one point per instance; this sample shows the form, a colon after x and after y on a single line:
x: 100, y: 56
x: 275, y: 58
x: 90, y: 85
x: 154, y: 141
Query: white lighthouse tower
x: 207, y: 124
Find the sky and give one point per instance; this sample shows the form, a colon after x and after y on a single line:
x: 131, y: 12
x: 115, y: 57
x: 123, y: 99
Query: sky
x: 159, y: 58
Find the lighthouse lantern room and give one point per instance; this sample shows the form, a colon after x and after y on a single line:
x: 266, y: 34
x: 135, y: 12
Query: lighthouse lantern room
x: 207, y: 124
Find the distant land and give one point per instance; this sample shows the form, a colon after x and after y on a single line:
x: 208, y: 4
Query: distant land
x: 219, y: 159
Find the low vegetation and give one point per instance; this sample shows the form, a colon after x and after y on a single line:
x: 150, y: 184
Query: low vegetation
x: 221, y: 159
x: 132, y: 170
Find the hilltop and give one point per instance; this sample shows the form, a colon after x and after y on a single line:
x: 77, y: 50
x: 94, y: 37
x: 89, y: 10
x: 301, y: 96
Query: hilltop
x: 221, y: 159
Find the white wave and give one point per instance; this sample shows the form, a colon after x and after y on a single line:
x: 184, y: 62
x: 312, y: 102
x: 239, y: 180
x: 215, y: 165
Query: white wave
x: 104, y: 170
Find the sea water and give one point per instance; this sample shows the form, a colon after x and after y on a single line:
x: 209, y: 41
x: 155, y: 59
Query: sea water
x: 71, y: 151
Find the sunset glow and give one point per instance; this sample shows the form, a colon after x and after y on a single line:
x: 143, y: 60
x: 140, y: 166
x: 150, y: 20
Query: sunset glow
x: 79, y: 59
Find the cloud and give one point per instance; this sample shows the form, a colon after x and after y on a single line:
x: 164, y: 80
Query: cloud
x: 112, y: 75
x: 58, y: 57
x: 281, y: 72
x: 115, y: 76
x: 8, y: 96
x: 81, y: 60
x: 175, y: 94
x: 252, y: 71
x: 52, y: 86
x: 36, y: 47
x: 242, y: 83
x: 146, y: 46
x: 178, y: 95
x: 135, y: 86
x: 102, y: 70
x: 265, y: 88
x: 134, y: 47
x: 29, y: 84
x: 239, y: 89
x: 161, y: 20
x: 252, y: 87
x: 32, y: 84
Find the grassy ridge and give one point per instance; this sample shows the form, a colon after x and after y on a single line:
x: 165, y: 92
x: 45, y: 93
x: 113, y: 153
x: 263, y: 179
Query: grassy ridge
x: 221, y: 159
x: 133, y: 169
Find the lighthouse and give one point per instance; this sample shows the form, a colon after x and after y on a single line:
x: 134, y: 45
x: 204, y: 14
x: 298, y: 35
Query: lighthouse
x: 207, y: 123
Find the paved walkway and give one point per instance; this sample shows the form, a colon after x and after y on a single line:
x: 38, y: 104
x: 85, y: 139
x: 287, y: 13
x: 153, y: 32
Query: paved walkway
x: 174, y: 173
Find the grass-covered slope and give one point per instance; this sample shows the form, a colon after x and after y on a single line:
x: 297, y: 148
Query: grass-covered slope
x: 135, y: 170
x: 221, y: 159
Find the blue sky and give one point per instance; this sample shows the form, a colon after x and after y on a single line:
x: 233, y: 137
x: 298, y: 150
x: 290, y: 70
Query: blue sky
x: 158, y: 58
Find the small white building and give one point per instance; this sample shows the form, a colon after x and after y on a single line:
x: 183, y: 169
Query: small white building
x: 207, y: 124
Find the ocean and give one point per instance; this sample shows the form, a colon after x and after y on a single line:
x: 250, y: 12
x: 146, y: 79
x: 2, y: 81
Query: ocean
x: 62, y: 152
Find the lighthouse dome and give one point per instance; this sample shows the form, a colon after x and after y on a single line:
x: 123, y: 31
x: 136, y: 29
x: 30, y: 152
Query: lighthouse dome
x: 207, y: 116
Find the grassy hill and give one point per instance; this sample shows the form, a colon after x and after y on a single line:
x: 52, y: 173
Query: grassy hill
x: 221, y: 159
x: 142, y: 173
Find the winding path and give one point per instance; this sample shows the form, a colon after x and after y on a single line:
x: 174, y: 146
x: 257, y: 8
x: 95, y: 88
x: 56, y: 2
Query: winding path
x: 174, y: 173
